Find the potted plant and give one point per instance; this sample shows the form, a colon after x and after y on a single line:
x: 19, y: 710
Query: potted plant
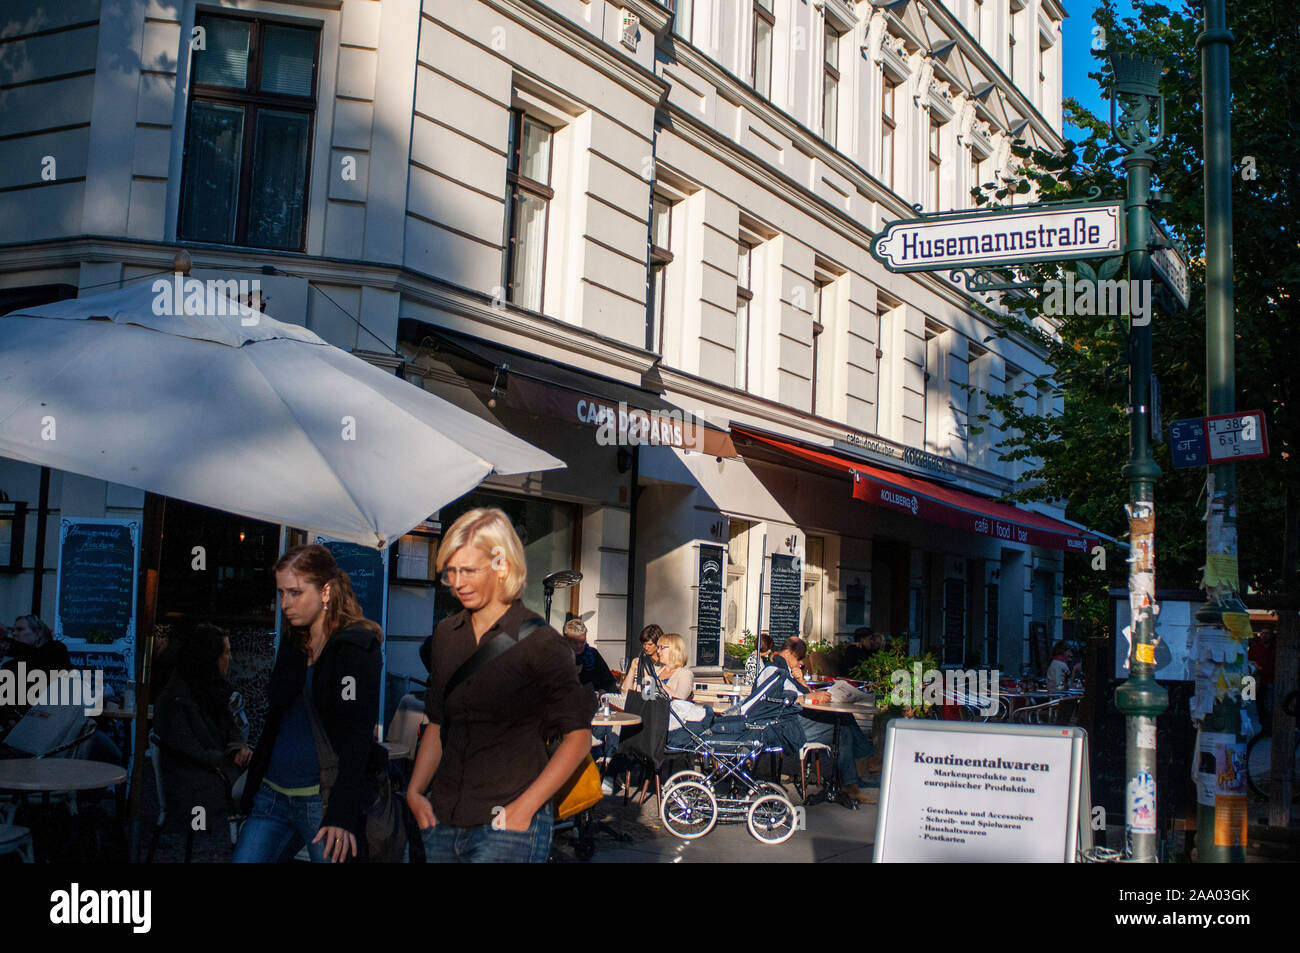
x: 888, y: 674
x: 735, y: 653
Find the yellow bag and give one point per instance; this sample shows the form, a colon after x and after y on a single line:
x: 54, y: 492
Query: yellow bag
x: 580, y: 792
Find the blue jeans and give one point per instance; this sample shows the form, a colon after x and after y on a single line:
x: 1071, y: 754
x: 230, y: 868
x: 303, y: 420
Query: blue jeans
x: 853, y: 743
x: 444, y: 844
x: 278, y: 827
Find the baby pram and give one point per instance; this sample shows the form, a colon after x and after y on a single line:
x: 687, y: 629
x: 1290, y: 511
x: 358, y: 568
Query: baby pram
x: 720, y: 786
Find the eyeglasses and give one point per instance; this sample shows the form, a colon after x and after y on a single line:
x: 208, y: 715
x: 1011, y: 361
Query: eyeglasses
x: 448, y: 575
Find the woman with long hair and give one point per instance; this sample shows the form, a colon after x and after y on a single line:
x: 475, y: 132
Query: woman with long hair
x: 502, y: 683
x: 327, y: 673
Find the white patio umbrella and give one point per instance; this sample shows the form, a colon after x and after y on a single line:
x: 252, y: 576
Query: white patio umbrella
x: 235, y: 410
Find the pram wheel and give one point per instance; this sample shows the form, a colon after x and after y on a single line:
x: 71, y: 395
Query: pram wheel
x: 678, y: 777
x: 689, y: 810
x: 772, y: 819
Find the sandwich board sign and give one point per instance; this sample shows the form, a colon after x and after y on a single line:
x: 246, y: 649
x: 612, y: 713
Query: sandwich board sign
x: 981, y: 238
x: 969, y: 792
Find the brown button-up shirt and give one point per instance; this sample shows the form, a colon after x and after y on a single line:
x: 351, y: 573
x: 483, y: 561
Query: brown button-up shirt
x: 497, y: 721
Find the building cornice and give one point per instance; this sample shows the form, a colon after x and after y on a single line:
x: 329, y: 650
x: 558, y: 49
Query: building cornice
x: 591, y: 50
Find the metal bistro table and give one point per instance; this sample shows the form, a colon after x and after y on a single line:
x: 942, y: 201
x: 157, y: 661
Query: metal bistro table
x: 833, y: 789
x: 46, y: 776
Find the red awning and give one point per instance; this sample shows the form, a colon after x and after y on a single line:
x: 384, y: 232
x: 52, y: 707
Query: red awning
x: 939, y: 504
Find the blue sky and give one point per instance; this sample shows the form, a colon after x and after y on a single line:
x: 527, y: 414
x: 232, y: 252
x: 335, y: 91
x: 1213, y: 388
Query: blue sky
x: 1079, y: 60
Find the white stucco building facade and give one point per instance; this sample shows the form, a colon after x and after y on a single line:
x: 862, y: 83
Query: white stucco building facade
x: 536, y: 208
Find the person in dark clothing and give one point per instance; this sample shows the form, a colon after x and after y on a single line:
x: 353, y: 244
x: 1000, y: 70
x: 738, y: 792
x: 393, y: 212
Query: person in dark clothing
x: 865, y: 644
x: 202, y: 747
x: 328, y: 669
x: 502, y: 684
x: 592, y: 670
x: 193, y: 717
x: 31, y: 644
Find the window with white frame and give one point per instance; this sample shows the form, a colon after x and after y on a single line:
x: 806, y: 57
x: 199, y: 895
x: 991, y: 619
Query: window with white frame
x: 888, y: 126
x: 744, y: 302
x: 934, y: 165
x: 760, y: 61
x: 683, y: 14
x: 661, y: 224
x: 831, y: 82
x: 888, y: 382
x: 527, y: 208
x: 248, y: 132
x: 825, y: 332
x: 934, y: 386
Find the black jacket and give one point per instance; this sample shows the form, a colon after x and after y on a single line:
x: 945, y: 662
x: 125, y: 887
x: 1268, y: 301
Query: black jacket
x: 348, y: 712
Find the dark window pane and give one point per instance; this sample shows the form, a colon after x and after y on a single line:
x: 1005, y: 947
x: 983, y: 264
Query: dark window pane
x: 213, y: 150
x: 225, y: 60
x: 275, y: 211
x: 288, y: 56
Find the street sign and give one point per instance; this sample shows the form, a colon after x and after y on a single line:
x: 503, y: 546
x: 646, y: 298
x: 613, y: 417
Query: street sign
x: 1168, y: 262
x: 1001, y: 236
x: 1239, y: 436
x: 1187, y: 443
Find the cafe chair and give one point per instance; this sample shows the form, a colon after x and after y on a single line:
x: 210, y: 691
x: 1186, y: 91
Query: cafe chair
x: 813, y: 748
x: 13, y: 838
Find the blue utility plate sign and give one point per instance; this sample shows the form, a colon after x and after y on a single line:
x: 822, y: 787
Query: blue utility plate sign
x: 1187, y: 443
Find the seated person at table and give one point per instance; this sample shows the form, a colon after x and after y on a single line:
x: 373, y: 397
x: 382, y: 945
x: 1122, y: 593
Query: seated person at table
x: 1058, y: 673
x: 820, y: 726
x: 757, y: 659
x: 31, y: 643
x: 864, y: 645
x: 676, y: 677
x: 592, y: 670
x: 647, y: 663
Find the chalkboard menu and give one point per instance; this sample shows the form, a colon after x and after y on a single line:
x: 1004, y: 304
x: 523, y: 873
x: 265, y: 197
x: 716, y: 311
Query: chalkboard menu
x: 785, y: 594
x: 94, y: 611
x: 708, y: 631
x: 367, y: 569
x: 954, y: 621
x: 98, y: 559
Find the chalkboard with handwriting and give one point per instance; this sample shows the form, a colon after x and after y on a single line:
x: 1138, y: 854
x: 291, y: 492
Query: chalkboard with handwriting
x: 98, y: 560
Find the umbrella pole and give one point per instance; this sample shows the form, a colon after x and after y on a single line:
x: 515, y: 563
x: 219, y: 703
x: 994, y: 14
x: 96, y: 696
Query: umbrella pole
x: 150, y: 558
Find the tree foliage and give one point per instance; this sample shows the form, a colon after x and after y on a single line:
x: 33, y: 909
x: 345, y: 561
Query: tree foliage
x: 1079, y: 454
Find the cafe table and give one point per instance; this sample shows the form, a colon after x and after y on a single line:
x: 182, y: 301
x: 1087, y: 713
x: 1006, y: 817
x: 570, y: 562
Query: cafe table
x: 46, y: 776
x: 834, y: 790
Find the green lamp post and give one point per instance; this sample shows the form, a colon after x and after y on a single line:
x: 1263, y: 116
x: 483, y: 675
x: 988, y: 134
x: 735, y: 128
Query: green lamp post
x: 1221, y: 816
x: 1137, y: 121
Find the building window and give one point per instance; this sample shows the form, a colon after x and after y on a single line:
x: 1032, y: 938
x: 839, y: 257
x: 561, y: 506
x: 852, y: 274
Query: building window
x: 830, y: 84
x: 660, y: 258
x: 683, y: 14
x: 888, y: 123
x: 760, y: 63
x: 744, y: 298
x: 934, y: 164
x: 248, y: 134
x: 818, y: 328
x: 528, y: 202
x: 934, y: 387
x: 976, y: 171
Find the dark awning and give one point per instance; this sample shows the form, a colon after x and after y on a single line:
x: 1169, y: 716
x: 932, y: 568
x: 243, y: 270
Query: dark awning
x: 938, y: 504
x: 547, y: 388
